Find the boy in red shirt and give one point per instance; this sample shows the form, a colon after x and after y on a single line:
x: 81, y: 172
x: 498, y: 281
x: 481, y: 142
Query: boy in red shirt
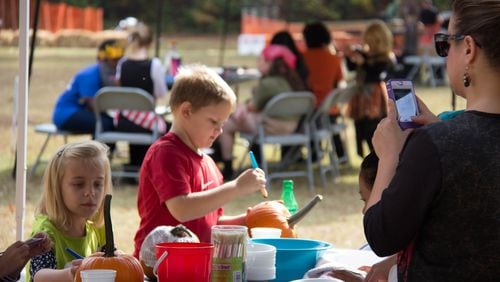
x: 178, y: 182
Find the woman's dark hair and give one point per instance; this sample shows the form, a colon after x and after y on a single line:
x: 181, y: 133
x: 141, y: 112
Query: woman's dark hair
x: 280, y: 68
x: 480, y: 19
x: 285, y: 38
x: 368, y: 170
x: 316, y: 35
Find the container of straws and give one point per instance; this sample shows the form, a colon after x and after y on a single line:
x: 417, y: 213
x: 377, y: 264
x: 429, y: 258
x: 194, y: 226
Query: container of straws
x: 230, y: 243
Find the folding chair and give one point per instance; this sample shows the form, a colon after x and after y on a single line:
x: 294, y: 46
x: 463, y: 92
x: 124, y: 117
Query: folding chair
x: 288, y: 106
x: 340, y: 127
x: 322, y: 131
x: 123, y: 98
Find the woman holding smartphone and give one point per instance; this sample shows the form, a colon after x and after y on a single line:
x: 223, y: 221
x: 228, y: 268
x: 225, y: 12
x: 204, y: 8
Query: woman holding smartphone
x: 436, y: 197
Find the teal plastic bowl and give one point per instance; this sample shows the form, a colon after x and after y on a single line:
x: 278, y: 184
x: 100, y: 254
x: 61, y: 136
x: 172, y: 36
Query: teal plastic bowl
x: 294, y: 257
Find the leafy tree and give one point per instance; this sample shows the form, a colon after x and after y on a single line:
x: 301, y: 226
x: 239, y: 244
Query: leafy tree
x: 207, y: 16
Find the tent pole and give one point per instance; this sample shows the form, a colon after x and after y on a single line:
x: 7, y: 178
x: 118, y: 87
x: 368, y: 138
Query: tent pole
x: 22, y: 112
x: 30, y: 64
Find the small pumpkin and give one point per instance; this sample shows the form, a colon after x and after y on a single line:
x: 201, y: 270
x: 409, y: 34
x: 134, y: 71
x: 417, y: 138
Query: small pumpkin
x: 127, y: 267
x: 275, y: 214
x: 162, y: 234
x: 271, y: 214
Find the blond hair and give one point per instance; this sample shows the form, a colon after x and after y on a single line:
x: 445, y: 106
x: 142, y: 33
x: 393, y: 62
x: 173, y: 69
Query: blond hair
x: 200, y: 86
x: 379, y: 38
x: 51, y: 203
x: 140, y: 37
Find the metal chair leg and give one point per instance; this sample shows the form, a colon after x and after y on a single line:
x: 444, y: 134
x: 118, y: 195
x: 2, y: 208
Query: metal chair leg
x: 39, y: 156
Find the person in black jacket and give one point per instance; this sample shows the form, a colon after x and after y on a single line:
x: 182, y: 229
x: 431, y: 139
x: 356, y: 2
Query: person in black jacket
x: 436, y: 196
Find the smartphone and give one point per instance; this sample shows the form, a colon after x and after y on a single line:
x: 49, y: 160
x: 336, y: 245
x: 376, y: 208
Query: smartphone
x: 33, y: 241
x: 401, y: 91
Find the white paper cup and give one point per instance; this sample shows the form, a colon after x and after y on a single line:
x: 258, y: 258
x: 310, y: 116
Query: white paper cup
x: 98, y: 275
x: 265, y: 232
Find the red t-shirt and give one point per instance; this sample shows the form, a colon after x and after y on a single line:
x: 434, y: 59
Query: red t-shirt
x: 170, y: 169
x: 325, y: 72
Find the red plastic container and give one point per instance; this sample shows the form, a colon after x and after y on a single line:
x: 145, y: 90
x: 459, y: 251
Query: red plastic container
x: 184, y: 262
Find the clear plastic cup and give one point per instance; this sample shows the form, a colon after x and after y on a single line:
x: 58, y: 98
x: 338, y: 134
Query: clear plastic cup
x: 98, y: 275
x: 265, y: 232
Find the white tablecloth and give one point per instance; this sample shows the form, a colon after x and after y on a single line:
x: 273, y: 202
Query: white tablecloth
x: 349, y: 259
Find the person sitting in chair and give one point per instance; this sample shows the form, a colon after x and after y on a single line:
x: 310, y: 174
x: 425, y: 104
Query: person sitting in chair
x: 74, y: 108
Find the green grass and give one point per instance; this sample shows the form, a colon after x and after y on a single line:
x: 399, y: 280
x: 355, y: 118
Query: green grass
x: 337, y: 219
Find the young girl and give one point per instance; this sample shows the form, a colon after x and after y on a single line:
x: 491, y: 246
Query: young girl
x: 372, y: 62
x: 71, y: 208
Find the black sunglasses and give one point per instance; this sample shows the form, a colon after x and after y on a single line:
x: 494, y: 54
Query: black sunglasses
x: 442, y: 44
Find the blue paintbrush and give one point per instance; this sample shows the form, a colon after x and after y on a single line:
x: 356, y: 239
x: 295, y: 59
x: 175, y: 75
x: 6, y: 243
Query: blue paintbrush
x: 255, y: 165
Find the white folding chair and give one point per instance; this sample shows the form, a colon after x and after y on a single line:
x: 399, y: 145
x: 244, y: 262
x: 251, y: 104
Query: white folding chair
x: 340, y: 127
x: 123, y: 98
x: 288, y: 106
x: 322, y: 131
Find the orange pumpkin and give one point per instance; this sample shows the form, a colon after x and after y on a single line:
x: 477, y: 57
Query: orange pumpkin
x: 127, y: 267
x: 275, y: 214
x: 271, y: 214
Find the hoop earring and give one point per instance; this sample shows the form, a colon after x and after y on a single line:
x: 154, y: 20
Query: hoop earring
x: 466, y: 78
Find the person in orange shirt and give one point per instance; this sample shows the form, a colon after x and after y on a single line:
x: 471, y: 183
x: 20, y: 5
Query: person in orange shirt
x: 325, y: 70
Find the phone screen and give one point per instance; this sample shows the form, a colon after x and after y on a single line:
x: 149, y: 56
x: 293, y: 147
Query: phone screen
x: 405, y: 104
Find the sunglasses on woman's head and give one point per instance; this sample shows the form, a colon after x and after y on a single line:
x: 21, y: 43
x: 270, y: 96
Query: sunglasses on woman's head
x: 442, y: 44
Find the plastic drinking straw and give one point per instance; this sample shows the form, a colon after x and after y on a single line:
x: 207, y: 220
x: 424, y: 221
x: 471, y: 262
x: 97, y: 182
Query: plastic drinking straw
x: 255, y: 165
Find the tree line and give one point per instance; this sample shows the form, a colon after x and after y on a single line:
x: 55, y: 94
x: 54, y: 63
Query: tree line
x: 207, y: 16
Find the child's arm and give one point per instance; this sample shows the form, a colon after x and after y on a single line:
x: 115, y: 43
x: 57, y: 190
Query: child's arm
x: 240, y: 219
x: 52, y: 275
x: 202, y: 203
x: 57, y: 275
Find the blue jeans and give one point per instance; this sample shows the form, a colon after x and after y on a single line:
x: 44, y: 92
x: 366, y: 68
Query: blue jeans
x: 84, y: 122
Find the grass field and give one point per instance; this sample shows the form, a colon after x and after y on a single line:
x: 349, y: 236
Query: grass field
x: 337, y: 219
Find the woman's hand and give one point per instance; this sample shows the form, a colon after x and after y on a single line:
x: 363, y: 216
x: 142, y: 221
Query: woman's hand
x: 425, y: 116
x: 389, y: 138
x: 41, y: 247
x: 14, y: 258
